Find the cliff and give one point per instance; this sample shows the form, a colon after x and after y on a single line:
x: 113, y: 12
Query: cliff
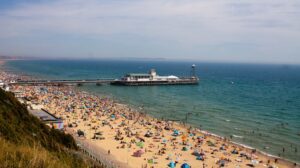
x: 26, y: 142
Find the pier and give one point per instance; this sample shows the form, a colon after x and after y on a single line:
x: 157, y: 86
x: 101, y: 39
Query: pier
x: 131, y: 79
x: 64, y: 82
x: 79, y: 82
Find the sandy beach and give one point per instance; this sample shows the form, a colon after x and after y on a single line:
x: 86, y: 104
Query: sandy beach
x: 135, y: 140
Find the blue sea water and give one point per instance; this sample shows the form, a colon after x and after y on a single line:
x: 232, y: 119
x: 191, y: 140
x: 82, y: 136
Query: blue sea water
x: 257, y: 105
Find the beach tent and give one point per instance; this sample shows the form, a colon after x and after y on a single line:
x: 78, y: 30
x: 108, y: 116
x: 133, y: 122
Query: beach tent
x: 80, y: 133
x: 138, y: 153
x: 200, y: 157
x: 151, y: 161
x: 185, y: 165
x: 172, y: 164
x: 175, y: 133
x: 234, y: 151
x: 200, y: 137
x: 148, y: 134
x: 113, y: 116
x: 255, y: 161
x: 222, y: 163
x: 164, y: 141
x: 184, y: 148
x: 196, y: 153
x: 184, y: 138
x: 140, y: 144
x: 222, y: 147
x: 167, y: 127
x: 210, y: 143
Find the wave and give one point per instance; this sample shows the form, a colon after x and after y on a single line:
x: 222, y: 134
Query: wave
x: 237, y: 136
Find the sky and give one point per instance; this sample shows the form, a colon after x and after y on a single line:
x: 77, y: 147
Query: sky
x: 254, y: 31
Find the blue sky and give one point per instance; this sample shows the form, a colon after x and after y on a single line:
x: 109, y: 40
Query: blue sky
x: 254, y: 31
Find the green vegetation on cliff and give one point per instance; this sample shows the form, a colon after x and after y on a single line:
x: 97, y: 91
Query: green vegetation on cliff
x: 26, y: 142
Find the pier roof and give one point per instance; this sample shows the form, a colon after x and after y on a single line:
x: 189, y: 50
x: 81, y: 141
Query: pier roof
x: 138, y: 74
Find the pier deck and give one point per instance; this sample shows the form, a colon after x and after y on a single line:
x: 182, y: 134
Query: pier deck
x: 62, y: 82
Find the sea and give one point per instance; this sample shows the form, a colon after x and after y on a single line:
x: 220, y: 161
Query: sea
x: 253, y: 104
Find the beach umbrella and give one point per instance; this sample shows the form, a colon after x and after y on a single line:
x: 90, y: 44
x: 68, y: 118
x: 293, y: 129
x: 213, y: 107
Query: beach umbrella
x: 185, y: 165
x: 172, y: 164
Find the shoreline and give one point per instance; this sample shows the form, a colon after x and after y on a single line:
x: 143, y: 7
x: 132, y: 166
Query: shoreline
x: 205, y: 133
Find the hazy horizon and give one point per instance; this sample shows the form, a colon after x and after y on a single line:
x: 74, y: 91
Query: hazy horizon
x: 134, y: 59
x: 207, y: 30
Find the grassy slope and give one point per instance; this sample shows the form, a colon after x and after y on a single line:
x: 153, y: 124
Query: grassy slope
x: 26, y: 142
